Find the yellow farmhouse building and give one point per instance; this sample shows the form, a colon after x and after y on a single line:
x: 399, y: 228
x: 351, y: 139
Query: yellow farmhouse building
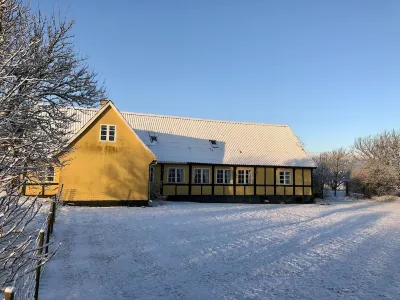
x: 129, y: 158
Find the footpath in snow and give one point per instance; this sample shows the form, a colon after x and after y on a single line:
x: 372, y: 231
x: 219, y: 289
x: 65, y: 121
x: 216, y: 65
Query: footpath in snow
x: 347, y: 250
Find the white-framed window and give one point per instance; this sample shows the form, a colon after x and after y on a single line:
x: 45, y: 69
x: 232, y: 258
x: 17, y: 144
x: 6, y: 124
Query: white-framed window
x: 224, y: 176
x: 202, y: 175
x: 46, y: 174
x: 176, y: 175
x: 244, y: 176
x: 284, y: 177
x: 151, y: 175
x: 108, y: 133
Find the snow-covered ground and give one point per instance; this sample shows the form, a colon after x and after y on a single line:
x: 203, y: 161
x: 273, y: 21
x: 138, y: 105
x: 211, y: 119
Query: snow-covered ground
x: 347, y: 250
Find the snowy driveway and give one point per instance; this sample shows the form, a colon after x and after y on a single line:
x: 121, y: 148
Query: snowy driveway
x: 226, y: 251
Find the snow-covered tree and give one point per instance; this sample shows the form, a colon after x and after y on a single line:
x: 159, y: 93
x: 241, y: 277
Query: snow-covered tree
x: 40, y: 73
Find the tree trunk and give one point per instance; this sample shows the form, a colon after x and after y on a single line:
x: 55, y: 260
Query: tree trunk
x: 335, y: 189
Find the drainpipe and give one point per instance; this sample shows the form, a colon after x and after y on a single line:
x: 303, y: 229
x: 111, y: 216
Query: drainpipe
x: 153, y: 163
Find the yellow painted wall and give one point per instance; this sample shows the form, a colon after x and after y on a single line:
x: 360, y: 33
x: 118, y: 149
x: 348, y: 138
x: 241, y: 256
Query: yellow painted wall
x: 298, y: 176
x: 240, y: 190
x: 219, y: 190
x: 196, y: 190
x: 249, y: 190
x: 307, y: 177
x: 182, y: 190
x: 207, y: 190
x: 169, y: 190
x: 100, y: 170
x: 280, y: 190
x: 299, y: 191
x: 289, y: 190
x: 307, y: 191
x: 260, y: 175
x: 270, y: 175
x: 270, y: 190
x: 229, y: 190
x: 260, y: 190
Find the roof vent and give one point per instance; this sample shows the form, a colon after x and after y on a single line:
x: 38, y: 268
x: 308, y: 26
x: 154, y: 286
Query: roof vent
x: 153, y: 138
x: 213, y: 143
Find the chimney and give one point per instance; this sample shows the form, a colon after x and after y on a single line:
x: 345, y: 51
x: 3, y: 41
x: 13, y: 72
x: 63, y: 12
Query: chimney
x: 103, y: 102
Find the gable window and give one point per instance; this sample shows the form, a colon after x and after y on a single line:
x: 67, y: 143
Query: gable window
x: 244, y: 176
x: 175, y: 175
x: 46, y: 174
x: 107, y: 133
x: 224, y: 176
x: 284, y: 177
x: 201, y: 175
x: 151, y: 175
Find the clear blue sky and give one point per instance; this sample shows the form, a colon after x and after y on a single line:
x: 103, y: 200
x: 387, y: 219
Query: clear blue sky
x: 329, y: 69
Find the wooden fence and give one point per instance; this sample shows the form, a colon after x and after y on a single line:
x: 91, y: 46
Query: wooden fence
x: 30, y: 289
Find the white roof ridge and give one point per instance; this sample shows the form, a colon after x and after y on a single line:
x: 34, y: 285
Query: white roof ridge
x: 206, y: 120
x: 187, y: 118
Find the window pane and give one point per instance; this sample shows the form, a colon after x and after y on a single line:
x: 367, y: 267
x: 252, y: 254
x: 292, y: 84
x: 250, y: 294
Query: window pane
x: 197, y: 175
x: 220, y: 176
x: 171, y: 175
x: 179, y: 175
x: 241, y: 176
x: 206, y: 176
x: 227, y: 176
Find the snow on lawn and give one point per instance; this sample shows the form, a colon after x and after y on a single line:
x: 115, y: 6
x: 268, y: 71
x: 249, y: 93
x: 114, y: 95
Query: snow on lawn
x: 347, y: 250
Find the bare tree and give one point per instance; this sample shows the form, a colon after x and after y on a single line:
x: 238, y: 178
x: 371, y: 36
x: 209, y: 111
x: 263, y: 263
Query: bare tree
x: 320, y: 175
x: 40, y: 74
x: 379, y: 157
x: 339, y: 165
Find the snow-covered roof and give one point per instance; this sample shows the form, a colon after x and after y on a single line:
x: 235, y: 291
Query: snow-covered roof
x: 190, y: 140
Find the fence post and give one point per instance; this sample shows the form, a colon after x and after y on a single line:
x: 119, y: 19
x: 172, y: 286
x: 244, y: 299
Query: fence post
x: 39, y: 253
x: 9, y: 293
x: 54, y: 208
x: 49, y: 217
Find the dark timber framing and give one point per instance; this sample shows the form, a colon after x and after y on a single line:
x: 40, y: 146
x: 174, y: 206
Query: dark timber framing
x: 255, y: 184
x: 162, y: 179
x: 234, y: 180
x: 190, y: 179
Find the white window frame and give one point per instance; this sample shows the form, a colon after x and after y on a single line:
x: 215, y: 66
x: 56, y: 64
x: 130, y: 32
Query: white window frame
x: 246, y: 176
x: 176, y: 175
x: 224, y: 177
x: 152, y: 173
x: 46, y: 174
x: 202, y: 172
x: 285, y: 178
x: 108, y: 133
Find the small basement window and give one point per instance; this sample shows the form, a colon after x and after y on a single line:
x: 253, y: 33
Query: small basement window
x: 108, y: 133
x: 284, y: 177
